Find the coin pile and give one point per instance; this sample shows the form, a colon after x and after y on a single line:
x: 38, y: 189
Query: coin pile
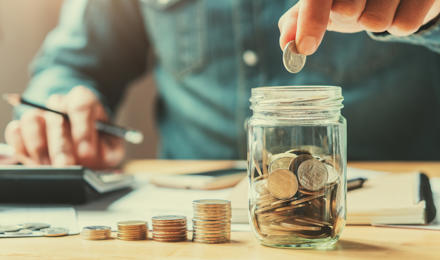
x: 169, y: 228
x: 32, y: 229
x: 132, y: 230
x: 296, y: 195
x: 292, y: 60
x: 96, y: 232
x: 212, y: 221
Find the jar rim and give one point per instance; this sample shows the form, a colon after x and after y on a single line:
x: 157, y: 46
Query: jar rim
x: 297, y: 102
x: 304, y: 88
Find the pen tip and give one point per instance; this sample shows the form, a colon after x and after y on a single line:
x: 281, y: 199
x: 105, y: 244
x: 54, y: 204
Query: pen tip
x: 134, y: 137
x: 12, y: 99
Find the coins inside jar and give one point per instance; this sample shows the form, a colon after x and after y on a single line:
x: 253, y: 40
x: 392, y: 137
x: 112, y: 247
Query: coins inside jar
x: 298, y: 199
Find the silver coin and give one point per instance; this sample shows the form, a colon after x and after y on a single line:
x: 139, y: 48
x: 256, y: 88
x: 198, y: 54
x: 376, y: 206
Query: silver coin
x: 9, y: 228
x: 312, y: 175
x: 55, y: 232
x: 169, y: 218
x: 292, y: 60
x: 35, y: 225
x: 97, y: 228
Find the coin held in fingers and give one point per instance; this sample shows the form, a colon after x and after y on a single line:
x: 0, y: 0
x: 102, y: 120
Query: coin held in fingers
x: 292, y: 60
x: 282, y: 184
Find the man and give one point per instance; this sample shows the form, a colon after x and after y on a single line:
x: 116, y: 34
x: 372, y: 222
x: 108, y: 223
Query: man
x: 211, y: 53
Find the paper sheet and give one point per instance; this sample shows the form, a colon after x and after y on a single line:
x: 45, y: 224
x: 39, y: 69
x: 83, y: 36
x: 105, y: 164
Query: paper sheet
x: 148, y: 200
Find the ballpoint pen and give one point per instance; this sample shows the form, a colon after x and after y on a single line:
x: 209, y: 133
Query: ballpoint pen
x: 129, y: 135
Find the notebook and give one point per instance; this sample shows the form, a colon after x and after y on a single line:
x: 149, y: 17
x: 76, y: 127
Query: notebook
x: 392, y: 199
x: 385, y: 199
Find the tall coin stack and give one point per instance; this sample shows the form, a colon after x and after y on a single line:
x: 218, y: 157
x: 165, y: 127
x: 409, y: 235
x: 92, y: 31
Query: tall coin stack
x: 212, y: 221
x: 132, y: 230
x: 169, y: 228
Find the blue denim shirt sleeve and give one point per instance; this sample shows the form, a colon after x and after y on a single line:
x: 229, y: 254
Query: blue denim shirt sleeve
x: 97, y: 43
x: 428, y: 36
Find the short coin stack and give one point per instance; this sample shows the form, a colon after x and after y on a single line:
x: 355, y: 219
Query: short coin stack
x: 169, y: 228
x: 96, y: 232
x: 132, y: 230
x: 212, y: 221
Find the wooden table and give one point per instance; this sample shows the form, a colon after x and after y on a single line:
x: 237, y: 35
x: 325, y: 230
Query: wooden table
x: 356, y: 242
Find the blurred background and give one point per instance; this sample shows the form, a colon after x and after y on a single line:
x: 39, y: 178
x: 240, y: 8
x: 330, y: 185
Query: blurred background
x: 23, y: 26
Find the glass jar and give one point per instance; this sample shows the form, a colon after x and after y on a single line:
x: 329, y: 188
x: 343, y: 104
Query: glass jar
x: 297, y: 166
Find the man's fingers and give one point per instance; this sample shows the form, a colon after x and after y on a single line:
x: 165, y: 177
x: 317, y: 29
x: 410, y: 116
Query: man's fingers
x: 33, y: 132
x: 288, y: 26
x: 313, y: 19
x: 410, y: 16
x: 351, y: 9
x: 378, y: 15
x: 14, y: 139
x: 82, y: 115
x: 61, y: 150
x: 112, y: 151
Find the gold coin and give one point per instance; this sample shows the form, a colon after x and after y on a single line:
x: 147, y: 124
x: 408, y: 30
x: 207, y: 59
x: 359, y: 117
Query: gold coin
x: 131, y: 223
x: 282, y: 184
x: 211, y: 202
x: 219, y: 241
x: 295, y: 227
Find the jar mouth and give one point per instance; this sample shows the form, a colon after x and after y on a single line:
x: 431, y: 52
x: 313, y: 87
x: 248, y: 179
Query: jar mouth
x: 297, y: 101
x: 304, y: 88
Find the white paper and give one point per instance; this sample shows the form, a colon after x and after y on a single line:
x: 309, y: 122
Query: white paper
x: 435, y: 225
x: 148, y: 200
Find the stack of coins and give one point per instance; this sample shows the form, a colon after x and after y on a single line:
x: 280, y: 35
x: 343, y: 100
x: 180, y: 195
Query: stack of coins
x: 132, y: 230
x: 96, y: 232
x: 169, y: 228
x: 297, y: 194
x: 212, y: 221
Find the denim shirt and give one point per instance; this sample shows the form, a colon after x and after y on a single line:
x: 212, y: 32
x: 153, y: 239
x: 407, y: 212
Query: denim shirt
x: 208, y: 56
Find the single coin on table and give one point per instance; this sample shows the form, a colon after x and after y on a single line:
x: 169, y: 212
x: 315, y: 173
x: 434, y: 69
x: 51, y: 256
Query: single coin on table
x: 292, y: 60
x: 312, y: 175
x: 282, y: 184
x: 55, y: 232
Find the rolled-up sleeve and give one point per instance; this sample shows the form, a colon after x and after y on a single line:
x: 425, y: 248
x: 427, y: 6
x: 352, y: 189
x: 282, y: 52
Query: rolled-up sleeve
x: 428, y: 36
x: 100, y: 44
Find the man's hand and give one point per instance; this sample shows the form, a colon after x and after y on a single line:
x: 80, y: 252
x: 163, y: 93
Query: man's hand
x: 307, y: 21
x: 42, y: 137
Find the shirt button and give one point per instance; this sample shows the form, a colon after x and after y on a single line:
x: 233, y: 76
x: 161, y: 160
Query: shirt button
x: 250, y: 58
